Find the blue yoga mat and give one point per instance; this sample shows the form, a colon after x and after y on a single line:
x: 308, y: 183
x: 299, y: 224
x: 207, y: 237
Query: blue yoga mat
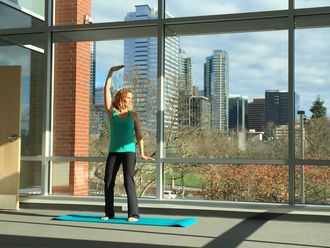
x: 184, y: 222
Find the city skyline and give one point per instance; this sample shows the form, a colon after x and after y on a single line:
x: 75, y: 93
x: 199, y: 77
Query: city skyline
x: 311, y: 56
x: 250, y: 98
x: 257, y: 59
x: 216, y: 71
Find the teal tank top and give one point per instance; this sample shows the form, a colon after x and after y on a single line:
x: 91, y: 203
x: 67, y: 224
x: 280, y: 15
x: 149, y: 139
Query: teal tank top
x: 121, y: 133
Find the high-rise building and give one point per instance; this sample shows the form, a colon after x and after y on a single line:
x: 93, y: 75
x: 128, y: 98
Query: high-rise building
x: 140, y: 72
x: 99, y: 96
x: 200, y: 112
x: 238, y: 112
x: 216, y: 88
x: 92, y: 71
x: 185, y: 73
x: 276, y: 106
x: 183, y: 108
x: 197, y: 91
x: 256, y: 115
x: 185, y: 88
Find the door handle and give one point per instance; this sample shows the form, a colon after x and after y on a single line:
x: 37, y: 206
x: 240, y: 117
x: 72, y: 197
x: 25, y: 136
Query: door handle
x: 12, y: 138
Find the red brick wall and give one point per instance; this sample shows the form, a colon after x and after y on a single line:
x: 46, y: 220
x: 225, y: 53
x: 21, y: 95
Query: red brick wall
x: 71, y: 97
x: 71, y: 12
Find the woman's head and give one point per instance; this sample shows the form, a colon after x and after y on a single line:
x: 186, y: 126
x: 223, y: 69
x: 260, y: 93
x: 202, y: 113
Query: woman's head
x: 123, y: 99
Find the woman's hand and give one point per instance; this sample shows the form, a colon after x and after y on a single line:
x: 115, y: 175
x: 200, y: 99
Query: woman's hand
x: 144, y: 157
x: 116, y: 68
x: 113, y: 69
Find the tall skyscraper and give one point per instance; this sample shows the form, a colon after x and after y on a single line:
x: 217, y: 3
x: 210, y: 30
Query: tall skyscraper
x: 140, y: 72
x: 216, y: 88
x: 256, y: 115
x: 276, y: 106
x: 238, y: 112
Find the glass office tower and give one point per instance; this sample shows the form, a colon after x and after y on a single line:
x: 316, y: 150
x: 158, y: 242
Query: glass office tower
x: 216, y: 88
x: 140, y: 73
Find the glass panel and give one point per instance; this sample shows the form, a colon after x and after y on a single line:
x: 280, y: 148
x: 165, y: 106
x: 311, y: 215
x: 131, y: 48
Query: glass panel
x: 14, y: 18
x: 60, y: 178
x: 33, y: 6
x: 312, y: 184
x: 30, y: 178
x: 139, y: 74
x: 32, y: 98
x: 215, y: 7
x: 105, y: 11
x: 69, y: 178
x: 247, y: 183
x: 309, y: 4
x: 84, y: 131
x: 228, y: 97
x: 73, y: 63
x: 312, y: 84
x: 65, y: 176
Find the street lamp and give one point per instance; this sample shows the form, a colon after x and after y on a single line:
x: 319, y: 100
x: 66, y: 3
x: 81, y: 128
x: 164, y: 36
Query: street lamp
x: 301, y: 113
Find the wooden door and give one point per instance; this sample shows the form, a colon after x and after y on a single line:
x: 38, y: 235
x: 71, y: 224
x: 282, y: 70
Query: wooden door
x: 10, y: 142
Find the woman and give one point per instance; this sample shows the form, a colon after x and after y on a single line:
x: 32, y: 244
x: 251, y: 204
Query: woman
x: 123, y: 124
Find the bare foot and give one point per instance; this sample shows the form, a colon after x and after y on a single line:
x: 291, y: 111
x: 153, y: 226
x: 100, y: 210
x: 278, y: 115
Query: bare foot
x: 133, y: 219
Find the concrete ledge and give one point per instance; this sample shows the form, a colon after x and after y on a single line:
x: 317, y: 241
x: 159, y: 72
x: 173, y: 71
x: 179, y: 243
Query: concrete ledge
x: 182, y: 207
x: 8, y: 202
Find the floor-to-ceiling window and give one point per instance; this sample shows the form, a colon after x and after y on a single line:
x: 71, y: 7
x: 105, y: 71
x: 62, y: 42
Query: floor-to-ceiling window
x: 232, y: 96
x: 28, y: 52
x: 312, y: 117
x: 27, y: 49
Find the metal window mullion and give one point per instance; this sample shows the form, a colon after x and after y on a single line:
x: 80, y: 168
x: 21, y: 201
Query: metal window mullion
x: 47, y: 101
x: 311, y: 162
x: 160, y: 99
x: 220, y: 161
x: 291, y: 109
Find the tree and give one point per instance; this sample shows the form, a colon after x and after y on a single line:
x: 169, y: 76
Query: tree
x: 317, y: 137
x: 318, y: 109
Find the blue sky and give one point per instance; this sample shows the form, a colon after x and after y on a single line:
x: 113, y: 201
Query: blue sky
x: 258, y: 60
x: 105, y: 11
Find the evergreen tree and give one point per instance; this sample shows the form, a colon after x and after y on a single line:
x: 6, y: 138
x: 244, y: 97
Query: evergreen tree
x: 318, y: 109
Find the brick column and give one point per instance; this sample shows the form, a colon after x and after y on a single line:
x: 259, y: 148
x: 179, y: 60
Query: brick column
x: 71, y: 98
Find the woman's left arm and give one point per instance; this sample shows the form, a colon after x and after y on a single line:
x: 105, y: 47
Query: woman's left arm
x: 139, y: 136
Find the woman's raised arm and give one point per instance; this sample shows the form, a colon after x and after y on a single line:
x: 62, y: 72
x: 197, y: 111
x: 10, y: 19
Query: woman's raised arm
x: 107, y: 86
